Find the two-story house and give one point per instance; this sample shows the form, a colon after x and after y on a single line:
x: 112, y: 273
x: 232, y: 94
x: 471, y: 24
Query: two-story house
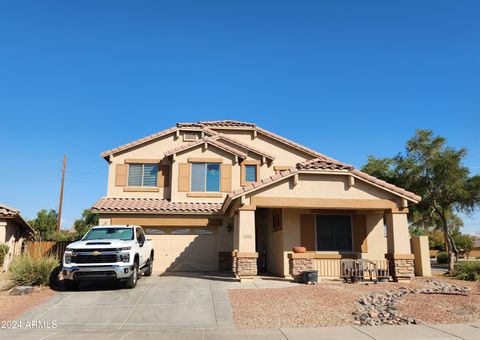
x: 229, y: 195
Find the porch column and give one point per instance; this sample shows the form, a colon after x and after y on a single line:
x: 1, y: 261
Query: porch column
x: 399, y: 254
x: 245, y: 256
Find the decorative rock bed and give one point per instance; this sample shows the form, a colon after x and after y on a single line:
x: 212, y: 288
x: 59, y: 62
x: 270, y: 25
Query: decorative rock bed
x: 379, y: 308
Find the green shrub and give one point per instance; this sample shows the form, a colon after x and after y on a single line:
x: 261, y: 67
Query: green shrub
x: 469, y: 271
x: 27, y: 270
x: 442, y: 257
x: 3, y: 252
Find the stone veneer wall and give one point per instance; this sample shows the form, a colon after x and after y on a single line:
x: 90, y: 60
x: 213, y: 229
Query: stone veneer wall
x: 298, y: 265
x: 245, y: 266
x: 402, y: 269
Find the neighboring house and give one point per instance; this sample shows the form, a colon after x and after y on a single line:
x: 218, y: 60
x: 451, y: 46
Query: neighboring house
x: 228, y: 195
x: 14, y: 230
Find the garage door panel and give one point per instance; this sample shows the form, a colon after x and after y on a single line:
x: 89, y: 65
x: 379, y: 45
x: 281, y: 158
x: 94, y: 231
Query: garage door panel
x: 185, y: 252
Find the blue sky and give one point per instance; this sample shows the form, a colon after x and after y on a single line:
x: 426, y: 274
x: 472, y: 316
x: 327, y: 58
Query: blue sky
x: 347, y: 78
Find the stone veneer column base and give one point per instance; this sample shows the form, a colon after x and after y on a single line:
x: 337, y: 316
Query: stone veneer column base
x: 402, y: 266
x: 299, y: 263
x: 244, y: 265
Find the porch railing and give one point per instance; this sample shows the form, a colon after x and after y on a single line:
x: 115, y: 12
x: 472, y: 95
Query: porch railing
x: 329, y: 267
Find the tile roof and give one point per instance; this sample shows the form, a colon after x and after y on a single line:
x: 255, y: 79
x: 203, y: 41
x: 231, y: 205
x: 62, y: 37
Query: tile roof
x: 138, y: 142
x: 152, y: 205
x: 245, y: 146
x: 321, y: 164
x: 217, y: 124
x: 263, y: 182
x: 9, y: 212
x: 6, y: 211
x: 209, y: 140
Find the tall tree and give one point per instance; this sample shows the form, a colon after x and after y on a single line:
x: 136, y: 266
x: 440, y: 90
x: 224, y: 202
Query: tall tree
x: 45, y: 223
x: 87, y: 221
x: 435, y: 171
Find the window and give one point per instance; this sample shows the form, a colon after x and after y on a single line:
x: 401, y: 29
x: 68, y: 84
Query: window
x: 109, y: 233
x: 250, y: 173
x: 205, y: 177
x: 142, y: 175
x: 334, y: 233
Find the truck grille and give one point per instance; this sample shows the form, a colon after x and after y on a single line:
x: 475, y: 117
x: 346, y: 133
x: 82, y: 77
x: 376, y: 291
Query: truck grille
x: 96, y: 274
x: 110, y: 258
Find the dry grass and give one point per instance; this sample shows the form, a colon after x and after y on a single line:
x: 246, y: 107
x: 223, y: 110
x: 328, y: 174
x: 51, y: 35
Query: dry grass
x: 331, y: 304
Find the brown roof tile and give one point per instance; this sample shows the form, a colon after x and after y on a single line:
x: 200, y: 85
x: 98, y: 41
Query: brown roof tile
x: 217, y: 124
x: 323, y: 164
x: 209, y: 140
x: 152, y: 205
x: 6, y: 211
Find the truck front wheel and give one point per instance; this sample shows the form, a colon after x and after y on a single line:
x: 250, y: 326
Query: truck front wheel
x: 148, y: 271
x: 132, y: 280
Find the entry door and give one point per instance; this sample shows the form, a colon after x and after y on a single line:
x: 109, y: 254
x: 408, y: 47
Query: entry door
x: 184, y: 249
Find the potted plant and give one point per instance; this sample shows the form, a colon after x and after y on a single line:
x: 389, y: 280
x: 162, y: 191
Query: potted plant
x: 299, y: 250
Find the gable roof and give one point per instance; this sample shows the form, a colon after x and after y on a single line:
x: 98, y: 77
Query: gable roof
x: 138, y: 142
x: 9, y: 212
x: 209, y: 127
x: 320, y: 164
x: 209, y: 140
x: 152, y: 205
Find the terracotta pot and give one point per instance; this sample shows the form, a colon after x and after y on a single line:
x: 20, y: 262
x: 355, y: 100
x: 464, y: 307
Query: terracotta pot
x: 299, y: 250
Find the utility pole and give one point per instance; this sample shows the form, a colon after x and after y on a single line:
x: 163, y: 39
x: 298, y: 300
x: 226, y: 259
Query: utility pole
x: 61, y: 192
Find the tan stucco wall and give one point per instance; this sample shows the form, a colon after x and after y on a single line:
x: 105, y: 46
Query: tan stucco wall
x: 12, y: 234
x: 325, y: 186
x: 284, y: 156
x: 376, y: 240
x: 398, y: 237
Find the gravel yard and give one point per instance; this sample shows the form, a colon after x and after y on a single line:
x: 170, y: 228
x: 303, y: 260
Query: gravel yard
x: 332, y: 304
x: 12, y: 307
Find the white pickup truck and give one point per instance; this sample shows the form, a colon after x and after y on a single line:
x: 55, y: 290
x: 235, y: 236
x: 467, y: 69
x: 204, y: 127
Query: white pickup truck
x: 118, y: 252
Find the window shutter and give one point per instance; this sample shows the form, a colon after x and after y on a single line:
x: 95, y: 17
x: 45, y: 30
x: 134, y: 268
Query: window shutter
x: 359, y: 231
x: 307, y: 231
x: 226, y: 178
x: 183, y: 177
x: 121, y: 175
x: 163, y: 179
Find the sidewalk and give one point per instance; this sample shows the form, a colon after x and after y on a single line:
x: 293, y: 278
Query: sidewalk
x: 452, y: 331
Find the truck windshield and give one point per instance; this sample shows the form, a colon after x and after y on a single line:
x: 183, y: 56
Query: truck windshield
x: 124, y: 234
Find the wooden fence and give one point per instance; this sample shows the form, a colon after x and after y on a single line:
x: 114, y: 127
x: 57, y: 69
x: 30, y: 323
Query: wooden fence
x: 55, y: 248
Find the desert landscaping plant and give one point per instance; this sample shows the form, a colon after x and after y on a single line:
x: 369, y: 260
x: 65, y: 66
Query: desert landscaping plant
x: 32, y: 270
x: 469, y: 271
x: 3, y: 253
x: 442, y: 257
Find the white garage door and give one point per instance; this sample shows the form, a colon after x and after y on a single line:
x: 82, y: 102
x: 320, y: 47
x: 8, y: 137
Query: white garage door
x: 184, y: 249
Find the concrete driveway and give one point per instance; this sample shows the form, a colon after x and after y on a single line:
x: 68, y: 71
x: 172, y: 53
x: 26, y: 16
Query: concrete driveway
x: 180, y: 300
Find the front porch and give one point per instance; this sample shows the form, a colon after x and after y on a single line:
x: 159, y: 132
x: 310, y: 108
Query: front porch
x: 264, y: 238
